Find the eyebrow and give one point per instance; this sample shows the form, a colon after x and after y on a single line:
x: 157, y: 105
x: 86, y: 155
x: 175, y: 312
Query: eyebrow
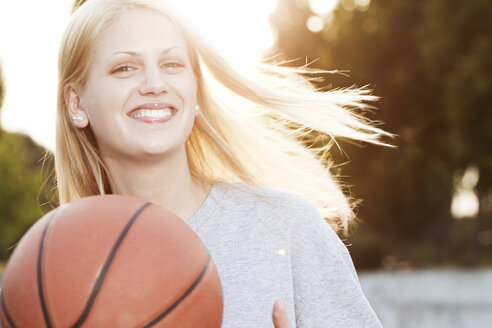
x: 133, y: 53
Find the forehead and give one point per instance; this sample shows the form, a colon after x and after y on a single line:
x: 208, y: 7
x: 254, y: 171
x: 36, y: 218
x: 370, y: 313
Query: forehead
x: 139, y: 30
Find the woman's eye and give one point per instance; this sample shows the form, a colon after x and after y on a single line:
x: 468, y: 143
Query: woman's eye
x: 123, y: 68
x: 173, y: 66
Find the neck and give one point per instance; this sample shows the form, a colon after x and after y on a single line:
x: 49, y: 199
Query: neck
x: 166, y: 182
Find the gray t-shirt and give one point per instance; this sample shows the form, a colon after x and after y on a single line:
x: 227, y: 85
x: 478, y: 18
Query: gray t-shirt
x: 269, y: 245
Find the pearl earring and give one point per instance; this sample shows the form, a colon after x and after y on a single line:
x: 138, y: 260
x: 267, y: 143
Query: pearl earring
x: 197, y: 108
x: 78, y: 118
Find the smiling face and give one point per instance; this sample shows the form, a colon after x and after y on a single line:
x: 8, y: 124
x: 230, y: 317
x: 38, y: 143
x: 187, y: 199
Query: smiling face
x: 141, y: 92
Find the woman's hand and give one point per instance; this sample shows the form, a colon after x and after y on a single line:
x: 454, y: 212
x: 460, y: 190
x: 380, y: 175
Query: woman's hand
x: 279, y: 315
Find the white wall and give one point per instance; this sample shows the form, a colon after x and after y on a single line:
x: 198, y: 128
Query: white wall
x: 431, y: 298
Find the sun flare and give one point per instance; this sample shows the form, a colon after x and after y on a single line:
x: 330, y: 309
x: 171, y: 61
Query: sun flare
x: 29, y: 48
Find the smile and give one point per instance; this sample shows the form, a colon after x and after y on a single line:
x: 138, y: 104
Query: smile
x: 152, y: 115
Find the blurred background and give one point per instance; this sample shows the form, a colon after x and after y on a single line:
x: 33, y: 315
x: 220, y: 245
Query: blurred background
x: 423, y: 248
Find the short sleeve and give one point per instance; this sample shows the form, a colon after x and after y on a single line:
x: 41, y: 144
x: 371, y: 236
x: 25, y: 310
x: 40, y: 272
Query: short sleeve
x: 327, y: 292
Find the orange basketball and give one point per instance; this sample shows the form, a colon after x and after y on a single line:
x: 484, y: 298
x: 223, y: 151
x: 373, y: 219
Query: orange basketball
x: 111, y: 261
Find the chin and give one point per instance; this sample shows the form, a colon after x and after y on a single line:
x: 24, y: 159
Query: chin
x: 158, y: 150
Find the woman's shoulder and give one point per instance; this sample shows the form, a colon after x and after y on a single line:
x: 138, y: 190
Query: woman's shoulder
x: 266, y: 201
x: 259, y: 195
x: 281, y: 211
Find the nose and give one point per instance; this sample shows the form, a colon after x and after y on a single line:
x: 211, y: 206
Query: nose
x: 153, y: 82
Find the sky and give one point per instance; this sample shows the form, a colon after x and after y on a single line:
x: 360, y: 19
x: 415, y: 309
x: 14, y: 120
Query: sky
x: 30, y: 34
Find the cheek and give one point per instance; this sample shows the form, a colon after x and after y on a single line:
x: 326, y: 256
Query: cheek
x: 187, y: 88
x: 105, y: 97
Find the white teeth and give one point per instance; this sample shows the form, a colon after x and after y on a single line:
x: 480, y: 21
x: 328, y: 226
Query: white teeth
x: 152, y: 113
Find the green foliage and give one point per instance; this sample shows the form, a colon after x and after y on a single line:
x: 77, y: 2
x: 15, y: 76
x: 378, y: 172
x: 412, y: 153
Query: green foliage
x: 2, y: 90
x: 430, y: 63
x: 26, y: 188
x: 23, y: 198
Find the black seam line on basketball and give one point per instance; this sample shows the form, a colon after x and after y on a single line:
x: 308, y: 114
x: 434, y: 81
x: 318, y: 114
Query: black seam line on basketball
x: 4, y: 309
x: 39, y: 269
x: 186, y: 293
x: 104, y: 271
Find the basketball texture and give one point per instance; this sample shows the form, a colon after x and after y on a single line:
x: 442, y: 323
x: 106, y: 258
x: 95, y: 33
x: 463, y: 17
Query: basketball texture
x: 111, y: 261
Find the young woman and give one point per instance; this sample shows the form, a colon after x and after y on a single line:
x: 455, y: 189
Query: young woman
x: 147, y: 108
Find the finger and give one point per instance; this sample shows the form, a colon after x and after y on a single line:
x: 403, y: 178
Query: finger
x: 279, y: 315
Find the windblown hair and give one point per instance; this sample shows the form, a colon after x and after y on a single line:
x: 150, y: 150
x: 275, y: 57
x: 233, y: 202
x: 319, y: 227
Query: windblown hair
x: 250, y: 130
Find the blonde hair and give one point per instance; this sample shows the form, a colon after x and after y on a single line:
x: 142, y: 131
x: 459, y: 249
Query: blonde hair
x: 250, y: 130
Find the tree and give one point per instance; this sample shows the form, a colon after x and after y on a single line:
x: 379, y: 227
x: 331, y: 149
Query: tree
x: 25, y: 190
x: 431, y: 65
x: 2, y: 92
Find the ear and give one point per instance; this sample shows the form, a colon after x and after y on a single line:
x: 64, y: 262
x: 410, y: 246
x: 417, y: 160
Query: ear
x: 75, y: 110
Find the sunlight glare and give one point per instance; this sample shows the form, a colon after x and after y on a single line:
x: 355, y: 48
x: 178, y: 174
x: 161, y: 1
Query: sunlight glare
x: 239, y: 30
x: 471, y: 177
x: 323, y: 7
x: 315, y: 24
x: 362, y: 5
x: 29, y: 43
x: 465, y: 202
x: 348, y: 5
x: 29, y: 48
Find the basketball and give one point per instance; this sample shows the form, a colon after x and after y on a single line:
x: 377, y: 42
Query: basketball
x: 111, y: 261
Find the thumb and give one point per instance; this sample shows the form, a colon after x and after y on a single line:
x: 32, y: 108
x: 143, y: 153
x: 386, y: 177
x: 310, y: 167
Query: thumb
x: 279, y: 315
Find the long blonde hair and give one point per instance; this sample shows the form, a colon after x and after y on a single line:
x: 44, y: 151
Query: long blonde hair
x: 250, y: 130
